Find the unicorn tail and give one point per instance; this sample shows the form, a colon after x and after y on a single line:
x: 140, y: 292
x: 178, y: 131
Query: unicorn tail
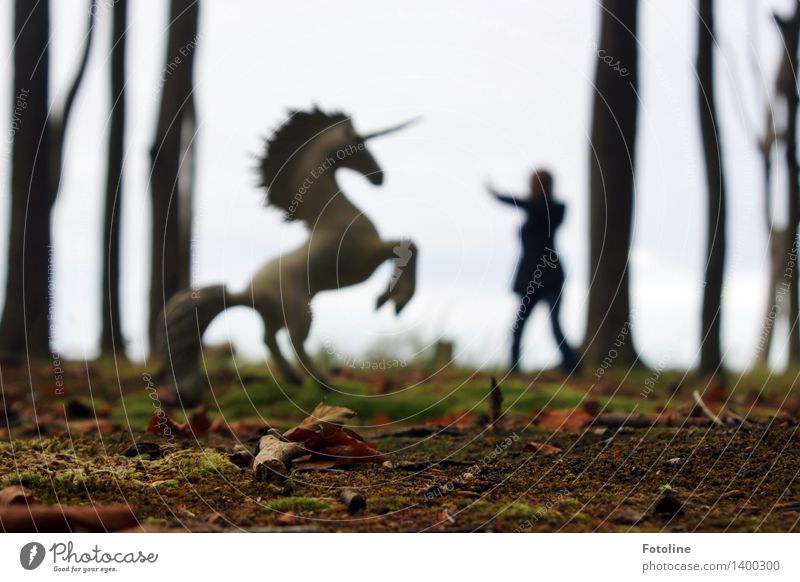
x: 179, y: 339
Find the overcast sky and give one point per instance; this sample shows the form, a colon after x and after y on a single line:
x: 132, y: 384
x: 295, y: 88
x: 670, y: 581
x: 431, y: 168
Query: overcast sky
x: 501, y: 91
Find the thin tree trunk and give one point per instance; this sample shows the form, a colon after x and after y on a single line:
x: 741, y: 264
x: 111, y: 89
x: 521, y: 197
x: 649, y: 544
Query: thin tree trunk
x: 170, y: 262
x: 111, y: 340
x: 790, y: 31
x: 25, y: 323
x: 614, y: 122
x: 775, y: 237
x: 711, y: 347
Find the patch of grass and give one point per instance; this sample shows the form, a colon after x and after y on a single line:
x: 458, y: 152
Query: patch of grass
x: 518, y: 510
x: 205, y: 464
x: 284, y: 504
x: 546, y: 514
x: 27, y: 479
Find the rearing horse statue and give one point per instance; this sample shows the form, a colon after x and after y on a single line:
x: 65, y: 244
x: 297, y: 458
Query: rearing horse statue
x: 298, y: 171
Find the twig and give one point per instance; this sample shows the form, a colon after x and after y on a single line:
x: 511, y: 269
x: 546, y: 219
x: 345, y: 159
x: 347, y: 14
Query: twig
x: 273, y: 458
x: 706, y: 410
x: 495, y: 404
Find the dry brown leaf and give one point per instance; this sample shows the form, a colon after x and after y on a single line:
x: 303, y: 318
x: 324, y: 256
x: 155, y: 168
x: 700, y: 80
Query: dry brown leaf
x: 541, y: 448
x: 65, y: 518
x: 288, y: 518
x: 569, y: 419
x: 197, y: 425
x: 324, y: 416
x: 16, y: 495
x: 322, y: 434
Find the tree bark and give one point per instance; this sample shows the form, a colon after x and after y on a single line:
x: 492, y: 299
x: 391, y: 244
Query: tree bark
x: 170, y: 260
x: 790, y: 31
x: 111, y: 339
x: 711, y: 348
x: 614, y: 121
x: 25, y: 323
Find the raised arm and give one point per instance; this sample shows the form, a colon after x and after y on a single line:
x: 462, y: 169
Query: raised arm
x: 508, y: 199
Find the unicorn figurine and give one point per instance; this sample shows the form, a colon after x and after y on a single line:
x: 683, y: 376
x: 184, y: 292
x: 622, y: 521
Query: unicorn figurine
x: 298, y: 171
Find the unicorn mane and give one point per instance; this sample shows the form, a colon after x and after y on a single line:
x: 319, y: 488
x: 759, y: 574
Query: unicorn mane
x: 286, y: 142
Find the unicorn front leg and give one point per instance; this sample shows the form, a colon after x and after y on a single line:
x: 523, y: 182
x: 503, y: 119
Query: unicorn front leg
x: 403, y: 254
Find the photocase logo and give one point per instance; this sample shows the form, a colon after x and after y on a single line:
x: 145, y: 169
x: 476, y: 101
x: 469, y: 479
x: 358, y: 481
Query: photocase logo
x: 31, y: 555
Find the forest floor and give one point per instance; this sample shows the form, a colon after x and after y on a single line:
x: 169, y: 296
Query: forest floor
x: 634, y: 453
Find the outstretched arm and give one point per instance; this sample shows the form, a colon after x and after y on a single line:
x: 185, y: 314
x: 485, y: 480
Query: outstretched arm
x: 508, y: 199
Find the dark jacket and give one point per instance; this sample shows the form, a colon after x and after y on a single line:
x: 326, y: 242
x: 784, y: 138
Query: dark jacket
x: 539, y: 266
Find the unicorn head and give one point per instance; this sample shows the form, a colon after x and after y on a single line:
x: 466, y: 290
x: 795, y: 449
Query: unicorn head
x: 302, y: 156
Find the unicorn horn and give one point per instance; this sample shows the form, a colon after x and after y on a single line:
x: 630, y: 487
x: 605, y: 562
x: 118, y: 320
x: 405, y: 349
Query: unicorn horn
x: 392, y: 129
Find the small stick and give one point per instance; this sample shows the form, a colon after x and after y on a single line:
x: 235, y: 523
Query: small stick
x: 353, y: 500
x: 273, y: 458
x: 706, y: 410
x: 495, y: 404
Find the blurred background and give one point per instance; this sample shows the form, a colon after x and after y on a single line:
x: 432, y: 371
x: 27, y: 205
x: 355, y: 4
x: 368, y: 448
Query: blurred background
x: 501, y: 89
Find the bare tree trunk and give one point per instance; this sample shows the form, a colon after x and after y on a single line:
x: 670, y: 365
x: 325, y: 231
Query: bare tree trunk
x: 170, y: 262
x: 711, y: 347
x: 790, y: 31
x: 24, y: 327
x: 614, y: 121
x: 111, y: 340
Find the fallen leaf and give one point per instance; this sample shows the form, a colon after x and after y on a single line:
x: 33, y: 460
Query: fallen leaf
x: 541, y: 448
x: 16, y: 495
x: 288, y: 518
x: 567, y: 419
x: 198, y: 421
x: 42, y: 518
x: 323, y: 435
x: 592, y: 407
x: 324, y: 416
x: 197, y: 425
x: 161, y: 423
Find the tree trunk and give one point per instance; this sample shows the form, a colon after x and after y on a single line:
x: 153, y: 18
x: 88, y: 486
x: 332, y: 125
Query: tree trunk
x: 170, y: 262
x: 711, y: 348
x: 790, y: 31
x: 25, y: 323
x: 111, y: 340
x: 614, y: 120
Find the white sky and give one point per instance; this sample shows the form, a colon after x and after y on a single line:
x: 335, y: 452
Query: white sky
x: 501, y: 91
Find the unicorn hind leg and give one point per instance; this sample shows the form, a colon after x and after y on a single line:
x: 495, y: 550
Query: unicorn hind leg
x: 289, y: 373
x: 298, y: 328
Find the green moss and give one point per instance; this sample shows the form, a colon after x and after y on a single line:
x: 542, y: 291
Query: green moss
x: 518, y: 510
x: 206, y: 463
x: 27, y: 479
x: 284, y: 504
x: 547, y: 514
